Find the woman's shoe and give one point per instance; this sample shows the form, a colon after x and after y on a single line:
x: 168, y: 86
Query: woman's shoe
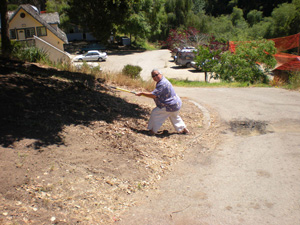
x: 184, y: 131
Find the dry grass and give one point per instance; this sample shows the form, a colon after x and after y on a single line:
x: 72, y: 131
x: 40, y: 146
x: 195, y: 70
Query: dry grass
x: 119, y: 79
x: 116, y: 79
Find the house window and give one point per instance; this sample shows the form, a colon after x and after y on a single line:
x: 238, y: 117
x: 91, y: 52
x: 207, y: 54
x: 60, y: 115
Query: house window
x: 22, y: 15
x: 12, y: 34
x: 29, y: 32
x: 41, y: 31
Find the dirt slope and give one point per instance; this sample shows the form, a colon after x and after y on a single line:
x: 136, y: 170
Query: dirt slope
x: 73, y: 154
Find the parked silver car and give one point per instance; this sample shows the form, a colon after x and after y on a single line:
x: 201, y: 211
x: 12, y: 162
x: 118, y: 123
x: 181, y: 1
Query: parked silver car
x: 184, y: 57
x: 92, y: 56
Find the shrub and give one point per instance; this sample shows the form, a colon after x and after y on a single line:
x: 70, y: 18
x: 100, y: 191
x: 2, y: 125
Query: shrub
x: 242, y: 66
x: 294, y: 80
x: 132, y: 71
x: 31, y: 54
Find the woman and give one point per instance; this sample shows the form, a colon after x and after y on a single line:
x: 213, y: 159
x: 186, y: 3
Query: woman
x: 167, y: 103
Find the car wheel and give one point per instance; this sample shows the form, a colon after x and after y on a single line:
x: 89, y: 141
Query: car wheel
x: 100, y: 59
x: 188, y: 65
x: 80, y: 60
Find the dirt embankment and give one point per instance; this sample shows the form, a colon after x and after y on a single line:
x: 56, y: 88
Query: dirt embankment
x: 72, y: 154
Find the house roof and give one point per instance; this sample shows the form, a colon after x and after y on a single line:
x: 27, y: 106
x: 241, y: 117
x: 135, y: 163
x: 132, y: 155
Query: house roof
x: 51, y: 18
x: 31, y: 10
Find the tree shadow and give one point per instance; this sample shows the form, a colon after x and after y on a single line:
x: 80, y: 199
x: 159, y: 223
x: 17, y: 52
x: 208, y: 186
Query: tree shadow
x: 125, y: 52
x: 178, y: 67
x: 36, y: 103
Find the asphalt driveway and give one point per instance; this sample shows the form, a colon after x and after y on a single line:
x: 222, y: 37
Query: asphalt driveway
x: 251, y: 177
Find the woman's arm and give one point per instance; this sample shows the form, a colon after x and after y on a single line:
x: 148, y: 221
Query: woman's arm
x: 147, y: 94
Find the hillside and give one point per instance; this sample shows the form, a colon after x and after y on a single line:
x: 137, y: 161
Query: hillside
x: 72, y: 152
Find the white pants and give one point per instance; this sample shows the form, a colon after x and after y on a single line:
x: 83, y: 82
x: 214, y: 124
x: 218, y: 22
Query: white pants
x: 159, y: 116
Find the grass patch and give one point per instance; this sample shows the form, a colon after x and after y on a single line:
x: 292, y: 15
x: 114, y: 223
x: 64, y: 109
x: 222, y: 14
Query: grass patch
x: 294, y: 81
x: 187, y: 83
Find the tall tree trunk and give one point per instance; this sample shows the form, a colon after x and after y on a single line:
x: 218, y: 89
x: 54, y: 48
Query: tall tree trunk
x: 6, y: 46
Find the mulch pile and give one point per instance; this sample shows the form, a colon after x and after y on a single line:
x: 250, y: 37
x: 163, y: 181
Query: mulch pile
x: 73, y: 152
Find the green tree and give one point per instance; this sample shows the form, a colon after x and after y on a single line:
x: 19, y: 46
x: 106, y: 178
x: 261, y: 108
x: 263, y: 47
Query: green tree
x: 266, y: 6
x: 40, y: 4
x: 221, y: 27
x: 254, y: 17
x: 217, y: 7
x: 250, y: 62
x: 61, y: 7
x: 198, y: 6
x: 295, y: 23
x: 238, y: 21
x: 99, y: 16
x: 177, y: 11
x: 137, y: 24
x: 206, y: 59
x: 157, y: 18
x: 263, y: 29
x: 283, y: 16
x: 237, y: 15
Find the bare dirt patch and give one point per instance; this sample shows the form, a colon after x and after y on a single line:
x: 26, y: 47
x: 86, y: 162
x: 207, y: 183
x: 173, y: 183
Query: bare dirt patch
x: 72, y: 154
x: 248, y: 127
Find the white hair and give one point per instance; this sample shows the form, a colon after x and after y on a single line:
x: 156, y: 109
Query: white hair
x: 157, y: 70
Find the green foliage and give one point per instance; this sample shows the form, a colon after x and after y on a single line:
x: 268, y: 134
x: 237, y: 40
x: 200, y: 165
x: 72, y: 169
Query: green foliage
x: 254, y: 17
x: 237, y: 16
x: 221, y: 27
x: 294, y: 80
x: 207, y: 58
x: 61, y: 7
x: 143, y: 44
x: 100, y: 16
x: 295, y: 23
x: 177, y: 11
x: 198, y: 6
x: 242, y: 66
x: 263, y: 29
x: 152, y: 20
x: 31, y: 54
x: 137, y: 23
x: 132, y: 71
x: 283, y: 16
x: 12, y: 7
x: 187, y: 83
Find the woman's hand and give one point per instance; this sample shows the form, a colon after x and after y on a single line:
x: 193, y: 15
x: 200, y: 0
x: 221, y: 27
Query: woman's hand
x: 146, y: 94
x: 139, y: 93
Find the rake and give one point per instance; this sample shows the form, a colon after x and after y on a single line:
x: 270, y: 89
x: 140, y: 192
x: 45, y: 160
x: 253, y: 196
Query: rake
x: 121, y: 89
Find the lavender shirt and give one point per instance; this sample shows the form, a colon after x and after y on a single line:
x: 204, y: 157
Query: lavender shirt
x: 166, y: 96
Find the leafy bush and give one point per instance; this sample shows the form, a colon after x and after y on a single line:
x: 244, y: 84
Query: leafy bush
x: 250, y: 63
x: 294, y: 80
x: 206, y: 59
x: 31, y: 54
x: 132, y: 71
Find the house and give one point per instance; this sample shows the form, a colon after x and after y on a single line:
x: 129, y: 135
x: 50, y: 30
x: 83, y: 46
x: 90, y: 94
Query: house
x: 27, y: 23
x: 75, y: 33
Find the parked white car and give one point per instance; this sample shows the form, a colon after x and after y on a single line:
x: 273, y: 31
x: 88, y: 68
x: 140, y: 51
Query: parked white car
x: 91, y: 56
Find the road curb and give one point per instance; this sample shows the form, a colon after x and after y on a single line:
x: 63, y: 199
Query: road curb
x: 206, y: 114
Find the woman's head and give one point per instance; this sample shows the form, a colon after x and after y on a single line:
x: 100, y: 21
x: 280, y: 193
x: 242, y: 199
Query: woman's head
x: 156, y: 75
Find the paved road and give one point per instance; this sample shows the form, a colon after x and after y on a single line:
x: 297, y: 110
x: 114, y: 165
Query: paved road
x: 160, y: 59
x: 250, y: 178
